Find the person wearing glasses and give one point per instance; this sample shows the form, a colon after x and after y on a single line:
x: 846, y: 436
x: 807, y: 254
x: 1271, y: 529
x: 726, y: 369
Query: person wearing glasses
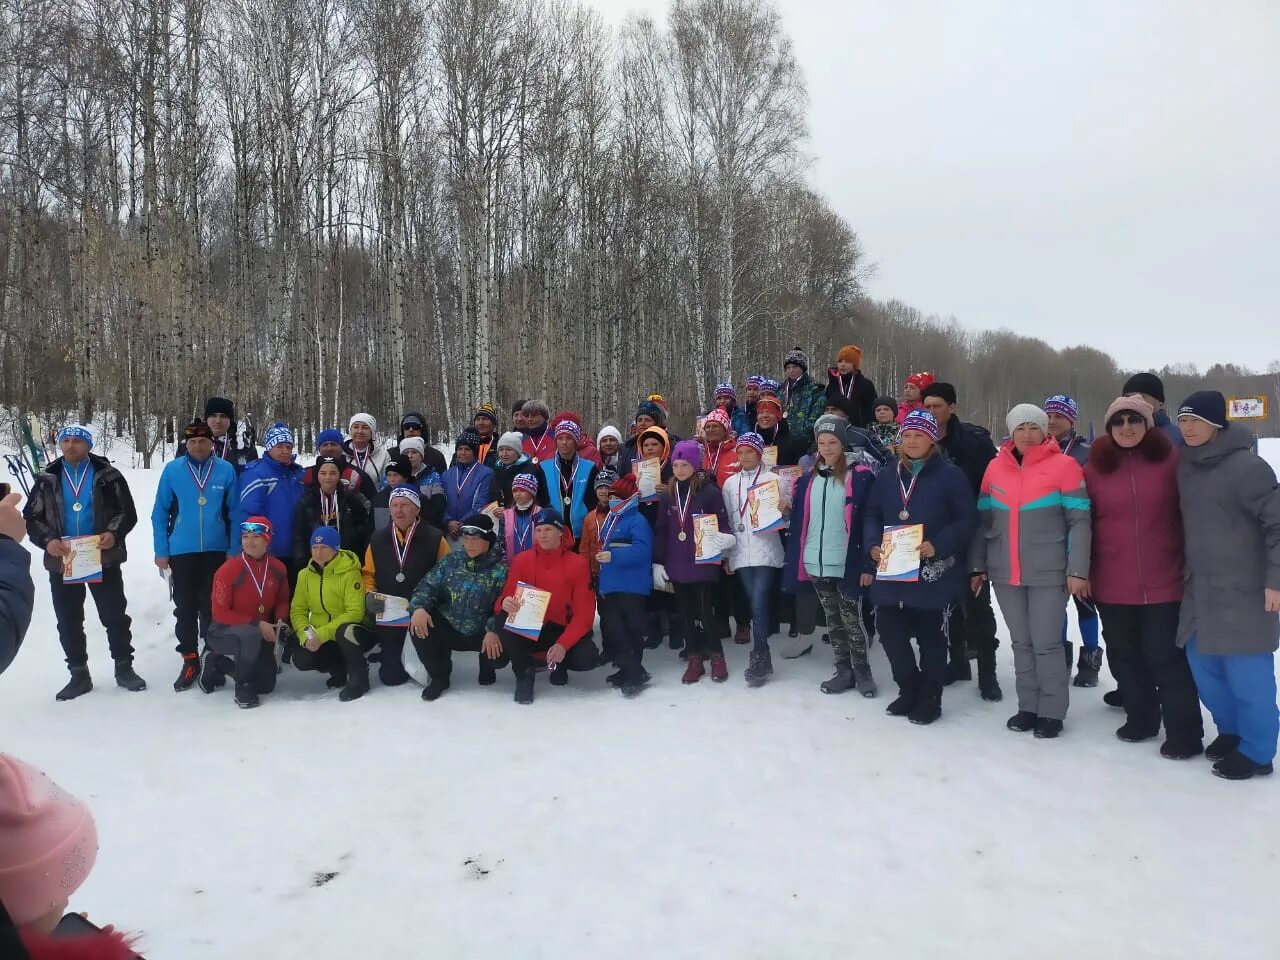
x: 452, y: 606
x: 250, y: 618
x: 326, y: 614
x: 1137, y: 568
x: 191, y: 534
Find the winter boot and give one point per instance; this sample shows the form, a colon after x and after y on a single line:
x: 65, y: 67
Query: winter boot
x: 1236, y: 766
x: 246, y: 696
x: 1223, y: 745
x: 863, y: 680
x: 560, y: 675
x: 1132, y: 733
x: 211, y: 673
x: 1181, y: 747
x: 794, y: 651
x: 189, y: 673
x: 928, y: 708
x: 840, y: 681
x: 488, y: 673
x: 434, y: 689
x: 524, y: 687
x: 742, y: 634
x: 391, y: 671
x: 1023, y: 721
x: 1047, y: 729
x: 988, y: 685
x: 958, y: 669
x: 632, y: 688
x: 908, y: 693
x: 759, y: 669
x: 694, y: 669
x: 357, y: 685
x: 337, y: 680
x: 1112, y: 698
x: 127, y: 679
x: 80, y: 684
x: 1087, y: 668
x: 719, y: 668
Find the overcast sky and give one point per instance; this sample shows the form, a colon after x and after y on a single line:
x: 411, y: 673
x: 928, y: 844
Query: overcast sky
x: 1100, y: 173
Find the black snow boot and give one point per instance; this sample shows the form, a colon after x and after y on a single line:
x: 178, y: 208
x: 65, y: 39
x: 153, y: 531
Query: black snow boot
x: 1088, y: 666
x: 1132, y: 733
x: 1236, y: 766
x: 189, y: 673
x: 928, y: 708
x: 212, y: 675
x: 524, y: 687
x: 1112, y: 698
x: 908, y: 694
x: 337, y: 680
x: 246, y: 696
x: 1047, y: 729
x: 1223, y: 745
x: 958, y: 669
x: 1024, y: 721
x: 391, y: 671
x: 127, y: 679
x: 988, y: 685
x: 435, y: 689
x: 840, y: 681
x: 759, y: 669
x: 1182, y: 747
x: 357, y: 685
x: 80, y: 684
x: 559, y: 676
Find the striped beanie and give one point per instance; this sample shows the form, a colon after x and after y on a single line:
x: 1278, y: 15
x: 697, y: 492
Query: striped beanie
x: 487, y: 411
x: 726, y: 390
x: 526, y: 482
x: 771, y: 386
x: 921, y: 420
x: 1062, y: 405
x: 570, y: 428
x: 719, y: 416
x: 277, y: 435
x: 752, y: 440
x: 756, y: 380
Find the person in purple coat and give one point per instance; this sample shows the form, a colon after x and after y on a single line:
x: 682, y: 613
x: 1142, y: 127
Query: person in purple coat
x: 674, y: 563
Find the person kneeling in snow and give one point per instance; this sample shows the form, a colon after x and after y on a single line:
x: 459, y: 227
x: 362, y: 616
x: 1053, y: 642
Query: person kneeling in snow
x: 565, y: 640
x: 250, y: 611
x: 452, y: 606
x: 326, y: 613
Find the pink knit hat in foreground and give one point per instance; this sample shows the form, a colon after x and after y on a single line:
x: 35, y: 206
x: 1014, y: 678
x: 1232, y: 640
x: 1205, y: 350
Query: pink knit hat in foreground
x: 48, y: 842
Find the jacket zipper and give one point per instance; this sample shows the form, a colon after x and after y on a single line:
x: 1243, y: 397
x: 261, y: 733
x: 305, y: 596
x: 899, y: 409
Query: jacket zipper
x: 322, y: 603
x: 1137, y: 536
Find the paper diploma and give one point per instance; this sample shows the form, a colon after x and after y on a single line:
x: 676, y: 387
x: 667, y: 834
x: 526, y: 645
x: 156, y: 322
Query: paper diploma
x: 706, y: 530
x: 648, y: 477
x: 763, y: 503
x: 770, y: 457
x: 528, y: 620
x: 395, y: 611
x: 787, y: 477
x: 84, y: 563
x: 900, y: 553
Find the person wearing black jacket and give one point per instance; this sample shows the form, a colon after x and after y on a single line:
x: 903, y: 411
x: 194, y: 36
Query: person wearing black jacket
x: 774, y: 432
x: 414, y: 424
x: 220, y: 415
x: 330, y: 504
x: 512, y: 460
x: 849, y: 391
x: 80, y: 495
x: 17, y: 592
x: 969, y: 447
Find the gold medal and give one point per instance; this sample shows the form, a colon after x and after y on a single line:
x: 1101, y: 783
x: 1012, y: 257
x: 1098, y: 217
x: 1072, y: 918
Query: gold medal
x: 261, y: 608
x: 682, y: 537
x: 202, y: 501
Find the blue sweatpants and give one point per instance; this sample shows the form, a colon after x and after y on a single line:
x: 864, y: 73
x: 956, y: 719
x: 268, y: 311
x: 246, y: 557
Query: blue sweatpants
x: 1087, y: 617
x: 1240, y: 692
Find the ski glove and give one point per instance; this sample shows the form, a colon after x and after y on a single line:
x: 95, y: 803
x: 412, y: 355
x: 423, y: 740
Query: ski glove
x: 374, y: 603
x: 726, y: 542
x: 660, y: 579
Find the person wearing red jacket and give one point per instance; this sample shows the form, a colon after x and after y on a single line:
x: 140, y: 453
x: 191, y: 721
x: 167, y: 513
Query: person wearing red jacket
x: 565, y: 640
x: 719, y: 445
x: 250, y: 613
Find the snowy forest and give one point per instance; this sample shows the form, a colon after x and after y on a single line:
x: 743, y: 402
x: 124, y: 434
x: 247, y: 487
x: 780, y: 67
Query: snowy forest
x: 319, y: 206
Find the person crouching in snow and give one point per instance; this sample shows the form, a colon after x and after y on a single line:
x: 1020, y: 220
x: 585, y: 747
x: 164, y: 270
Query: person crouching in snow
x: 824, y: 547
x: 326, y: 612
x: 674, y: 563
x: 1033, y: 543
x: 757, y: 558
x: 625, y: 558
x: 565, y: 640
x: 48, y: 846
x: 516, y: 533
x: 451, y: 607
x: 396, y: 560
x: 250, y: 618
x: 1231, y: 520
x: 726, y: 398
x: 922, y: 487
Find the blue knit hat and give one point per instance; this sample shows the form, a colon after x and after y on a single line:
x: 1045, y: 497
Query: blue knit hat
x: 651, y: 410
x: 921, y: 420
x: 547, y: 517
x: 1063, y: 406
x: 332, y: 435
x: 277, y: 435
x: 1207, y: 405
x: 75, y: 431
x: 326, y: 537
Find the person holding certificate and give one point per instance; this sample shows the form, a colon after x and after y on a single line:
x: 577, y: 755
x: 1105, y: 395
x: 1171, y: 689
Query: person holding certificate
x: 397, y: 558
x: 191, y: 534
x: 558, y: 583
x: 677, y: 558
x: 758, y: 555
x: 77, y: 497
x: 824, y: 548
x: 652, y: 471
x: 924, y: 494
x: 1033, y: 544
x: 250, y: 617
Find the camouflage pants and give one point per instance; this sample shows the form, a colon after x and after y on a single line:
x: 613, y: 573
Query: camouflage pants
x: 844, y: 623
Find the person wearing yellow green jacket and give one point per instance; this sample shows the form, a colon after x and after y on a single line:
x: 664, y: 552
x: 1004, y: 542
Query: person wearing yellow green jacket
x: 326, y: 612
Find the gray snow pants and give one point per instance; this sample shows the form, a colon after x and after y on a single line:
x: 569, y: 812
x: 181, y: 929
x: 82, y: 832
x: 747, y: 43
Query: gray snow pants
x: 1034, y: 618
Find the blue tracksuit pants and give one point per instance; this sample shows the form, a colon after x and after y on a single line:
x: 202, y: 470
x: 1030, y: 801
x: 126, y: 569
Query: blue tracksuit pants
x: 1240, y: 692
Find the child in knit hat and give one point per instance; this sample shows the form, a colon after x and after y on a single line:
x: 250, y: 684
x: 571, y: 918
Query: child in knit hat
x: 48, y: 845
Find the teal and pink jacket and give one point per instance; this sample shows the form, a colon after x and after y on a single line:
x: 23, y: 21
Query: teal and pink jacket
x: 1033, y: 519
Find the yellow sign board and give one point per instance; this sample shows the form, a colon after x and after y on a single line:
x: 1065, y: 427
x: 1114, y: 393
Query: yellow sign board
x: 1247, y: 408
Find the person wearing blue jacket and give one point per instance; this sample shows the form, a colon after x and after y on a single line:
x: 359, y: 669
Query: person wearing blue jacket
x: 191, y: 531
x: 726, y: 398
x: 17, y: 590
x: 626, y: 580
x: 824, y: 548
x: 466, y: 485
x: 571, y: 478
x: 920, y: 487
x: 271, y: 488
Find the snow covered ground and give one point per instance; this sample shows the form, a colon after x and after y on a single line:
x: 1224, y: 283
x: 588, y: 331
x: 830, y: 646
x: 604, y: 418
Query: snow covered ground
x: 707, y: 821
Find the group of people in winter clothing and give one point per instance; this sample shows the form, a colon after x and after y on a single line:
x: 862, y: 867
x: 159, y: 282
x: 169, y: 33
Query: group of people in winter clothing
x: 1166, y: 536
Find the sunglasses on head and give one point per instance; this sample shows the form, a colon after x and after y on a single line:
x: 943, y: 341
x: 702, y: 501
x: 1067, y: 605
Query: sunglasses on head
x: 256, y: 528
x: 475, y: 532
x: 1126, y: 420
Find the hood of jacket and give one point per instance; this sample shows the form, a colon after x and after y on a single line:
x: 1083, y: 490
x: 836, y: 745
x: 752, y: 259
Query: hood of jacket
x: 1226, y: 443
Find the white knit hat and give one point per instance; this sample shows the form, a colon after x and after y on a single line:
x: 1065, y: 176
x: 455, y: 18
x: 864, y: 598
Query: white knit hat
x: 1027, y: 413
x: 608, y: 430
x: 365, y: 418
x: 511, y: 440
x: 414, y: 443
